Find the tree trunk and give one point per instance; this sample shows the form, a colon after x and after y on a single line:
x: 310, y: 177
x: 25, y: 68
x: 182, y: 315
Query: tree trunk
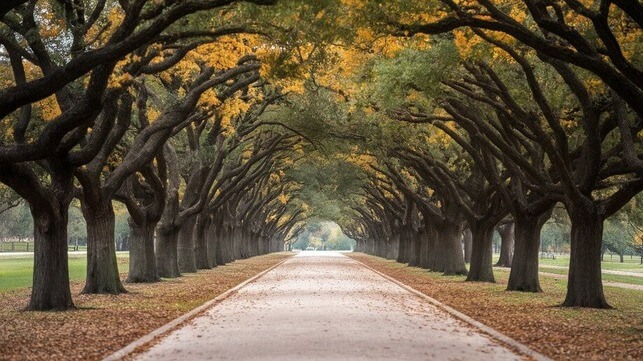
x: 394, y: 247
x: 214, y: 254
x: 221, y: 250
x: 450, y: 249
x: 603, y: 250
x: 382, y: 247
x: 424, y: 236
x: 507, y: 237
x: 102, y: 267
x: 142, y: 260
x: 524, y: 270
x: 433, y: 258
x: 228, y: 246
x: 186, y: 246
x: 50, y: 289
x: 245, y: 243
x: 584, y: 282
x: 125, y: 243
x: 403, y: 249
x: 235, y: 239
x: 166, y: 252
x: 202, y: 236
x: 255, y: 244
x: 468, y: 244
x: 481, y: 269
x: 414, y: 251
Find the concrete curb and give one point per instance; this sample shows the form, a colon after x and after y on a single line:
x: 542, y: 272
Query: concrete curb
x: 461, y: 316
x: 125, y: 351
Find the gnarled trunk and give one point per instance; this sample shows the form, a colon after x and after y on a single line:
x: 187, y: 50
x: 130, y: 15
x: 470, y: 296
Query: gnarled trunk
x: 584, y: 282
x: 481, y: 269
x: 228, y: 245
x: 50, y: 290
x: 507, y: 236
x: 166, y: 252
x: 201, y: 243
x: 524, y: 270
x: 394, y: 246
x: 186, y: 246
x: 221, y: 250
x: 467, y: 240
x: 405, y: 245
x: 102, y: 267
x: 142, y: 260
x: 237, y: 244
x: 433, y: 259
x: 414, y: 251
x: 449, y: 249
x: 425, y: 239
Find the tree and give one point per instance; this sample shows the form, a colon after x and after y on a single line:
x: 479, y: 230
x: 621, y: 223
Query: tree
x: 81, y: 85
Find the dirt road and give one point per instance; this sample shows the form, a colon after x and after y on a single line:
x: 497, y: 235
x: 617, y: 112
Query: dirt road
x: 326, y: 306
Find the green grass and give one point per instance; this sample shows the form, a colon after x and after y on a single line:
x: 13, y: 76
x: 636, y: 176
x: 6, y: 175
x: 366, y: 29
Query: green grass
x: 614, y: 264
x: 8, y: 247
x: 606, y: 277
x: 16, y: 247
x: 17, y: 272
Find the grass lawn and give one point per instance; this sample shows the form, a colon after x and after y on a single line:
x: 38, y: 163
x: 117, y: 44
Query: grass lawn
x: 630, y: 265
x: 17, y: 272
x: 7, y: 247
x: 535, y: 319
x: 606, y: 277
x: 16, y: 246
x: 614, y: 264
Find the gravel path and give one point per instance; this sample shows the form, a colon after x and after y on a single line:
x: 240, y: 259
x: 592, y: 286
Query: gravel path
x: 325, y: 306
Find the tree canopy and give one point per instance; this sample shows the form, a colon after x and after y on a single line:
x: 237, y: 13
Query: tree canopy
x: 227, y: 128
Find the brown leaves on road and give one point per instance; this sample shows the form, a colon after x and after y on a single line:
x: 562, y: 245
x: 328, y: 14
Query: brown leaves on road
x: 103, y: 324
x: 534, y: 319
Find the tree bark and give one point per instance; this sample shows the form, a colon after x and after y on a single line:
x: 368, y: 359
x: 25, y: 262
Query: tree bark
x: 584, y: 282
x: 201, y: 243
x: 50, y: 289
x: 237, y: 245
x: 214, y: 253
x: 450, y: 249
x: 414, y: 251
x: 221, y: 250
x: 481, y: 269
x: 524, y: 270
x: 102, y: 267
x: 142, y: 260
x: 166, y: 252
x: 394, y: 247
x: 227, y: 244
x: 433, y: 259
x: 425, y: 239
x: 468, y: 244
x: 186, y: 246
x: 403, y: 249
x: 507, y: 236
